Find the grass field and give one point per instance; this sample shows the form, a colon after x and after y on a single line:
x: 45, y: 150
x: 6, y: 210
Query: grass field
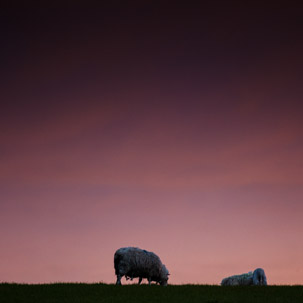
x: 108, y: 293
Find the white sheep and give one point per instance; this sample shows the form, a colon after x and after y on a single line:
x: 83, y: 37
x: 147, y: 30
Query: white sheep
x: 133, y: 262
x: 251, y: 278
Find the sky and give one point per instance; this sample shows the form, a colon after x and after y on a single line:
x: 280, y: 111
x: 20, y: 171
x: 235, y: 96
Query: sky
x: 176, y: 129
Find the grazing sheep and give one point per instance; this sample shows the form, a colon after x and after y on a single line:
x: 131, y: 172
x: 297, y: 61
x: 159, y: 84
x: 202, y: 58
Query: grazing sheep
x: 259, y: 277
x: 133, y: 262
x: 251, y: 278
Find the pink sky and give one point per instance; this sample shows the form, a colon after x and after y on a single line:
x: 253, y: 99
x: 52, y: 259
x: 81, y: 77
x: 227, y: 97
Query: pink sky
x: 190, y: 148
x: 211, y: 200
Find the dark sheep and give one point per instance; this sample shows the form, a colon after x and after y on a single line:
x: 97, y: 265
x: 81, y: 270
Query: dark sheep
x: 133, y: 262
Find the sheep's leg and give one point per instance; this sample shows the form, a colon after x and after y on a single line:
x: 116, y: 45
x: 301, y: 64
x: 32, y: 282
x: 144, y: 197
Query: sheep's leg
x: 119, y: 280
x: 140, y: 280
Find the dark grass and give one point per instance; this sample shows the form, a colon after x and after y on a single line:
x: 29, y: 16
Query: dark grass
x: 78, y: 292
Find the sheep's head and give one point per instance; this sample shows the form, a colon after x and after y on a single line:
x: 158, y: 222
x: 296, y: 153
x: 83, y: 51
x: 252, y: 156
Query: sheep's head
x: 164, y: 276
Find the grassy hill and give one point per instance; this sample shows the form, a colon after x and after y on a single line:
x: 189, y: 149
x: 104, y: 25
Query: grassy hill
x: 108, y: 293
